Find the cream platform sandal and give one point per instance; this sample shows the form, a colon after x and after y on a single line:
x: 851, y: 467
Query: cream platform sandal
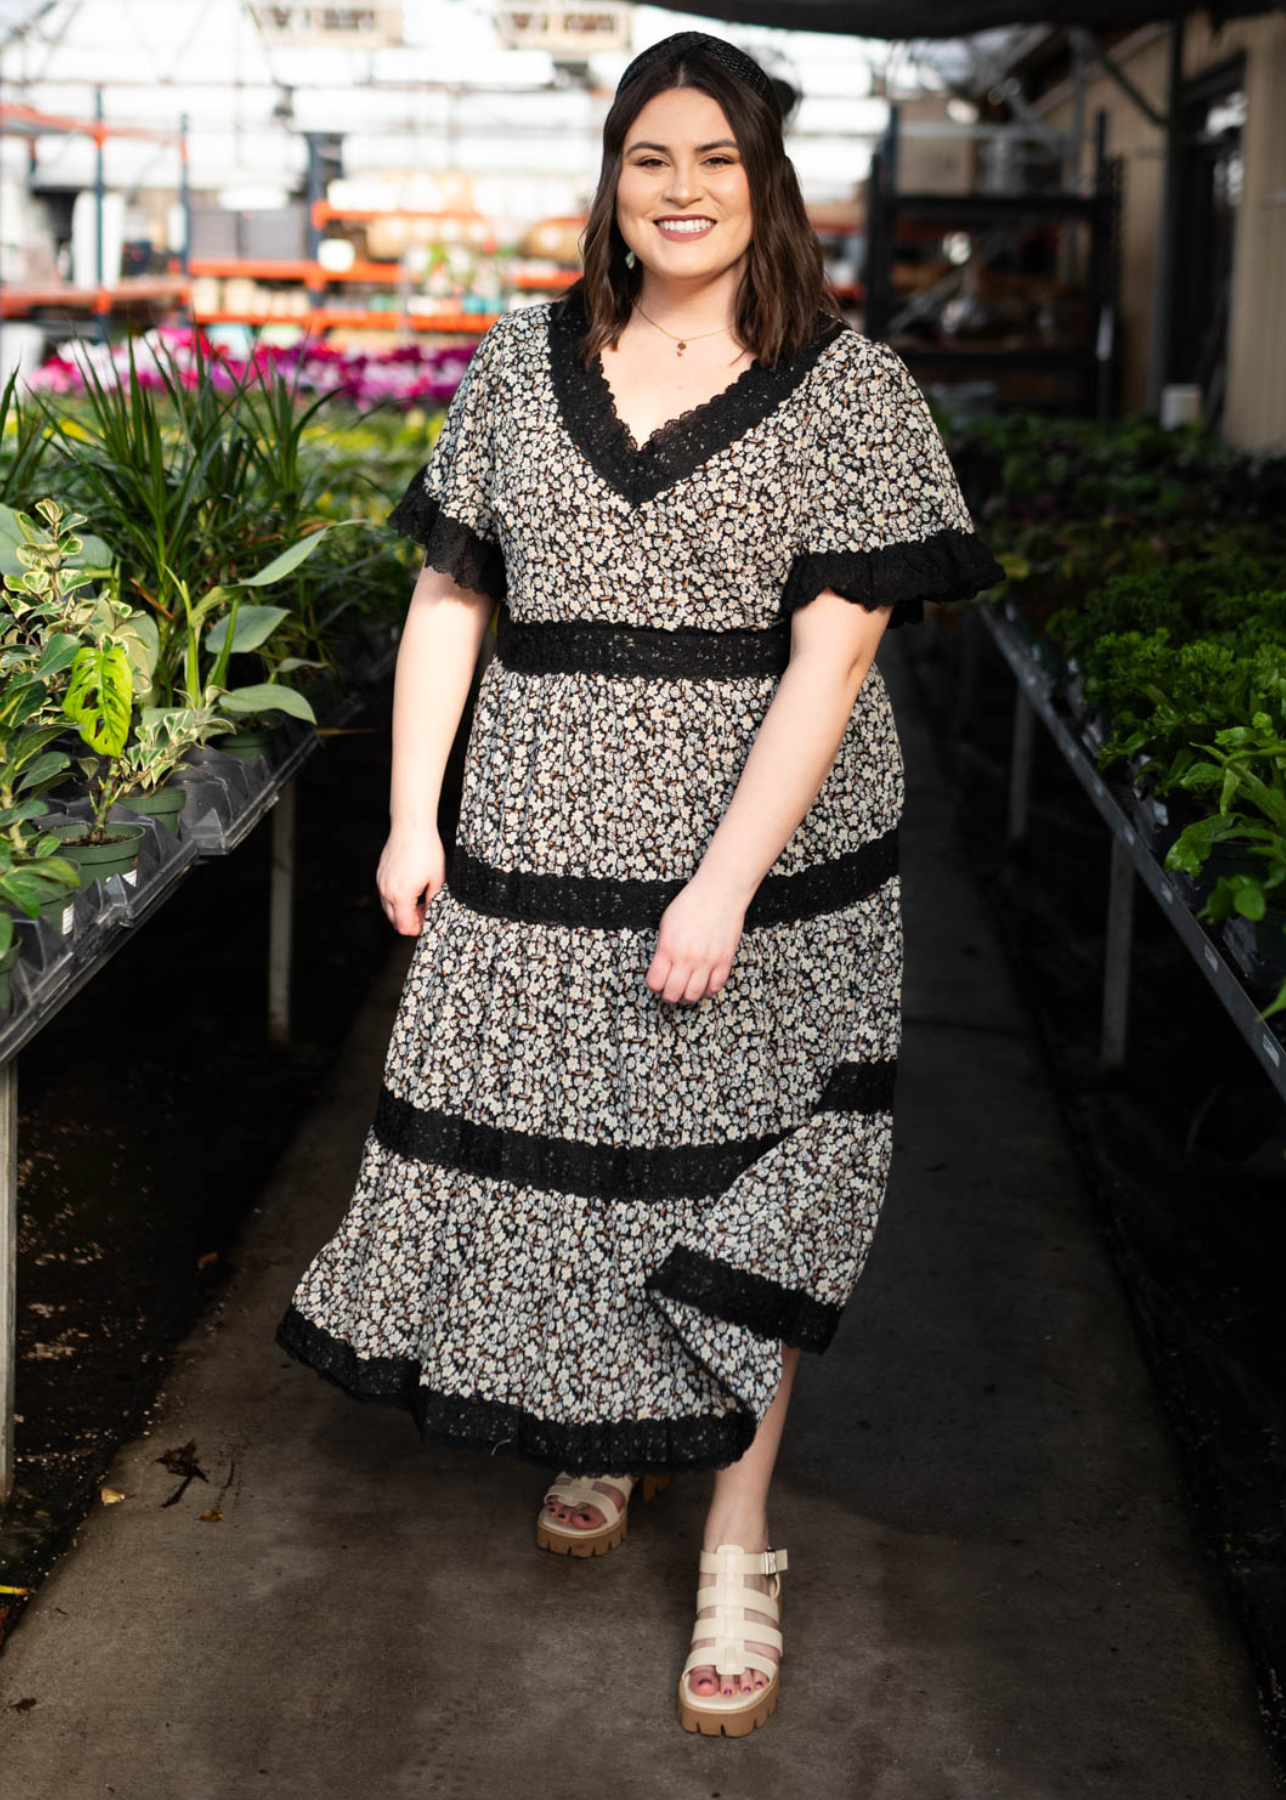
x: 733, y: 1632
x: 578, y: 1490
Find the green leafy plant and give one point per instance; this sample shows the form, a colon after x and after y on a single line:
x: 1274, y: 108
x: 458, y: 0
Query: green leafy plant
x: 31, y: 870
x: 1247, y: 768
x: 128, y: 761
x: 244, y: 629
x: 24, y: 443
x: 1162, y: 701
x: 207, y: 478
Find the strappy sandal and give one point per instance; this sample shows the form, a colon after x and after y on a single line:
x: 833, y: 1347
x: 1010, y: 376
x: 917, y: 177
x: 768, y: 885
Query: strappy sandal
x: 576, y: 1491
x: 733, y: 1632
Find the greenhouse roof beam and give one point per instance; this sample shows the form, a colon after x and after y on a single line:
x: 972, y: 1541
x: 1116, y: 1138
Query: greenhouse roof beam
x: 1094, y: 49
x: 900, y: 20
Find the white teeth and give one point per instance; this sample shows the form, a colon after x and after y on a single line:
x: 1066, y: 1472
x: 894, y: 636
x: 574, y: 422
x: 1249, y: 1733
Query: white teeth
x: 690, y: 225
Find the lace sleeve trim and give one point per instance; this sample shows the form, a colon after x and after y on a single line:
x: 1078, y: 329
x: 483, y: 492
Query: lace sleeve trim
x: 950, y: 565
x: 474, y: 561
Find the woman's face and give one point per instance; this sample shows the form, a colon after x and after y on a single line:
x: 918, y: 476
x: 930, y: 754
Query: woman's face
x: 680, y: 161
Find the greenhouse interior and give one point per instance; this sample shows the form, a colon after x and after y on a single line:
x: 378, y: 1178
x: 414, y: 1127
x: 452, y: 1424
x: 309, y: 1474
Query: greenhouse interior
x: 259, y: 265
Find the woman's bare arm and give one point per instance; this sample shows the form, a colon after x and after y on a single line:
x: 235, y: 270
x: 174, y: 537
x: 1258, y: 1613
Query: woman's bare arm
x: 833, y: 643
x: 436, y: 657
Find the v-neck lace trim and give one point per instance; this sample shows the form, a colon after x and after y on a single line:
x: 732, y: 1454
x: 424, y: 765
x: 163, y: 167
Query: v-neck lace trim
x: 668, y: 427
x: 679, y: 446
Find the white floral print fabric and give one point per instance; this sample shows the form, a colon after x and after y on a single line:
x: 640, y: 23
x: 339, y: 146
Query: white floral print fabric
x: 586, y: 1219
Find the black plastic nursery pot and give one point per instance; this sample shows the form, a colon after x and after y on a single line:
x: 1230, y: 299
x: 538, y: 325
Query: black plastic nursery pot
x: 164, y: 804
x: 1258, y: 947
x: 1160, y: 819
x: 1222, y: 859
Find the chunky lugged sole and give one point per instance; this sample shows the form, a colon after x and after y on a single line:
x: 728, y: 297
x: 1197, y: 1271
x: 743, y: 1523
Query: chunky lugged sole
x: 596, y: 1543
x: 730, y: 1723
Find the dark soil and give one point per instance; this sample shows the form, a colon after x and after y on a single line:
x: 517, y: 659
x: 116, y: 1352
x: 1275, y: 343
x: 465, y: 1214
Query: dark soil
x: 144, y: 1135
x: 1184, y: 1148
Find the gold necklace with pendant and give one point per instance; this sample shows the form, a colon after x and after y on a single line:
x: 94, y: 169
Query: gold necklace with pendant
x: 682, y: 342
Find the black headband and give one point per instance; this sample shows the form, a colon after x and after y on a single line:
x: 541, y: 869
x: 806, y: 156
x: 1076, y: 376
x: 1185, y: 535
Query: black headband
x: 718, y: 50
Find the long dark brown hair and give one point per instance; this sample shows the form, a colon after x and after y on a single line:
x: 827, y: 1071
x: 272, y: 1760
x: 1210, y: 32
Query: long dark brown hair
x: 783, y: 285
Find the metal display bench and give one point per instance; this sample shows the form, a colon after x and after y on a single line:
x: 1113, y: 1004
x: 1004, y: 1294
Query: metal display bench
x: 1131, y: 858
x: 228, y: 799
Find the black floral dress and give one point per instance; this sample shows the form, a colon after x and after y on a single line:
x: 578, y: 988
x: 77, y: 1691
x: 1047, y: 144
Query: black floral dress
x: 586, y: 1218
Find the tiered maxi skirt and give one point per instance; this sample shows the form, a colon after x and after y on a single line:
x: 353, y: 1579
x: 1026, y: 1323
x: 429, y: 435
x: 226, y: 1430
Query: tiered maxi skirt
x: 585, y: 1219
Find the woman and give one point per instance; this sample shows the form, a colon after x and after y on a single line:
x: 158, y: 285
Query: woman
x: 636, y: 1119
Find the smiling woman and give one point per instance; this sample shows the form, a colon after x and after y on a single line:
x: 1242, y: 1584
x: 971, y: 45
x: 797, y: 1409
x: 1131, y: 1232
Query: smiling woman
x: 636, y: 1118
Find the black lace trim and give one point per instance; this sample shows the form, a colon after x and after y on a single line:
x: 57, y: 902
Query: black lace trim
x: 590, y: 903
x: 681, y: 445
x: 744, y: 1298
x: 540, y: 648
x: 653, y: 1172
x: 861, y: 1087
x: 636, y: 1446
x: 564, y: 1165
x: 950, y: 565
x: 475, y: 562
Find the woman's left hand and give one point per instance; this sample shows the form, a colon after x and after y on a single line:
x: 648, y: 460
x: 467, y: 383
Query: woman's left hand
x: 698, y: 937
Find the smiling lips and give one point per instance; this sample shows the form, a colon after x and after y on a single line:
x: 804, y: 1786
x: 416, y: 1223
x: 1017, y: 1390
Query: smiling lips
x: 676, y: 228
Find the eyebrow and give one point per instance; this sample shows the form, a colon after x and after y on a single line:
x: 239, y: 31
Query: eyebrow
x: 701, y: 148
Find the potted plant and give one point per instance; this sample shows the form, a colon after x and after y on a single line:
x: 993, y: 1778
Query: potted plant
x: 246, y: 628
x: 35, y: 879
x: 100, y: 703
x: 1248, y: 766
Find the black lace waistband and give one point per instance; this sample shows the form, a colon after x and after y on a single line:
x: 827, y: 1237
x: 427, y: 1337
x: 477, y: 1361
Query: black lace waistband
x: 567, y: 646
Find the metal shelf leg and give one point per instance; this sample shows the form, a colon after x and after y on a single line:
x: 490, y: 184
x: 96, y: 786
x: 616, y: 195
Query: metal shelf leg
x: 281, y: 909
x: 8, y: 1271
x: 1117, y: 954
x: 1020, y: 765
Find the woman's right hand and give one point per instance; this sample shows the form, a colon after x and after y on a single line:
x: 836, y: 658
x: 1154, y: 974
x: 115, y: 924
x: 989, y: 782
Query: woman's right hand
x: 412, y: 862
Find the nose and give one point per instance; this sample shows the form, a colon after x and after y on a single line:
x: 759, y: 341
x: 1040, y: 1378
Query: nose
x: 682, y: 188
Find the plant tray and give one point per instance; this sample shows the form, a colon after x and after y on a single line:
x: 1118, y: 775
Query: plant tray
x: 227, y: 796
x: 1255, y: 951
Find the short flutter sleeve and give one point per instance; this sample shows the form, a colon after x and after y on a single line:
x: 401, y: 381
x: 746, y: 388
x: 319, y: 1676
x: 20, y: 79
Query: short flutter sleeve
x: 883, y: 521
x: 447, y: 507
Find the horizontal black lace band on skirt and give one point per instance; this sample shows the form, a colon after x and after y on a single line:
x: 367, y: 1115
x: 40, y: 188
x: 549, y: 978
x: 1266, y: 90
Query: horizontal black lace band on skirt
x: 586, y: 901
x: 607, y: 1171
x: 745, y: 1298
x: 571, y: 646
x: 625, y: 1446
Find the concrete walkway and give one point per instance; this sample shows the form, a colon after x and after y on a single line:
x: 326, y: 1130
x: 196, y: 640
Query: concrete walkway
x: 994, y: 1593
